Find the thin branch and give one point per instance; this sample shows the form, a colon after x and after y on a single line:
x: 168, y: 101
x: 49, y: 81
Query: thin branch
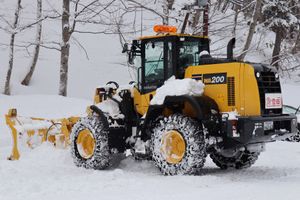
x: 146, y: 8
x: 20, y: 29
x: 74, y: 22
x: 81, y: 46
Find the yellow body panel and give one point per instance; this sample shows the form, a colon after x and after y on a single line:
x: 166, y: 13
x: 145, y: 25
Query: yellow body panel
x: 247, y: 102
x: 142, y: 101
x: 250, y: 92
x: 246, y: 94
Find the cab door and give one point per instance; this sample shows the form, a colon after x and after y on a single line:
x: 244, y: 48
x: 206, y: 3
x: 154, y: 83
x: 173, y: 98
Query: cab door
x: 156, y: 68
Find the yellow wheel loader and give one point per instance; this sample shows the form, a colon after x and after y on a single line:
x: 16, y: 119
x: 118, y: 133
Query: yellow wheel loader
x: 178, y: 134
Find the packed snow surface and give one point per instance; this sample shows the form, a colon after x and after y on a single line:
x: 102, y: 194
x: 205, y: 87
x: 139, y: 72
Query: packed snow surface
x: 49, y: 173
x: 177, y: 87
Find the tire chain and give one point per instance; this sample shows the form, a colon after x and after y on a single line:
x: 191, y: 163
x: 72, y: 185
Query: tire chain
x: 242, y: 160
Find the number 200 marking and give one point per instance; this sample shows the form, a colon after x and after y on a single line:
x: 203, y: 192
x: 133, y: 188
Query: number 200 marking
x: 217, y: 79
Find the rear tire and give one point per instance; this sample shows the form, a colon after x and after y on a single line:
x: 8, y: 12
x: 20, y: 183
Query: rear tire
x: 295, y: 138
x: 192, y: 152
x: 241, y: 160
x: 100, y: 155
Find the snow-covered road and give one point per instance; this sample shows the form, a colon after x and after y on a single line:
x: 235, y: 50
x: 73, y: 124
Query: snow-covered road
x: 48, y: 173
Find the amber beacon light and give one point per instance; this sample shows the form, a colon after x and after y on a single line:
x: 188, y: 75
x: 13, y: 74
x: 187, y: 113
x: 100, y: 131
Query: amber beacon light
x: 164, y: 29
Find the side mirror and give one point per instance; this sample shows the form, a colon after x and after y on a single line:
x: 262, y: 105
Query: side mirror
x: 125, y: 48
x: 131, y: 58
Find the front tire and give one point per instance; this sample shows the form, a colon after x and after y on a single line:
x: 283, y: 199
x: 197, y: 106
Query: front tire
x: 89, y: 143
x: 178, y: 145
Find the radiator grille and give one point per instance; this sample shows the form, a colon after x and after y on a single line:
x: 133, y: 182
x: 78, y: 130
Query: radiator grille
x: 267, y: 83
x: 231, y: 91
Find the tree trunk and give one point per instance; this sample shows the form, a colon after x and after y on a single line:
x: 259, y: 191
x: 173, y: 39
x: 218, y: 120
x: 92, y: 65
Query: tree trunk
x: 167, y: 6
x: 37, y: 45
x: 219, y: 3
x: 296, y: 46
x: 277, y: 47
x: 236, y: 10
x: 65, y: 49
x: 11, y: 52
x: 165, y: 13
x: 186, y: 19
x: 225, y: 6
x: 170, y: 4
x: 251, y: 29
x: 196, y: 18
x: 206, y: 20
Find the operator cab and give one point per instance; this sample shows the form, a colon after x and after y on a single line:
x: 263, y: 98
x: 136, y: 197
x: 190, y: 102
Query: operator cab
x: 160, y: 57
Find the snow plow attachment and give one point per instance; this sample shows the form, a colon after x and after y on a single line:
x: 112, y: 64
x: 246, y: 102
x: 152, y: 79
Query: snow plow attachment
x: 34, y: 131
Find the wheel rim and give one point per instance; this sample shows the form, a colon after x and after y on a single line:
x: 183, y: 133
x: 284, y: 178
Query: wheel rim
x: 85, y: 144
x: 173, y: 147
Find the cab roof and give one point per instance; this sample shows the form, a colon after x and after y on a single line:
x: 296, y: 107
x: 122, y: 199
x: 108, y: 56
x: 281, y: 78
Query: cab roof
x: 171, y: 34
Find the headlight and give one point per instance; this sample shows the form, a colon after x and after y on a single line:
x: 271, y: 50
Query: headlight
x: 269, y: 125
x: 294, y: 122
x: 276, y: 75
x: 257, y: 74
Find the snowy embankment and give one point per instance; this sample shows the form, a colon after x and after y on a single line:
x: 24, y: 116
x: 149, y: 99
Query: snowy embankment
x: 49, y: 173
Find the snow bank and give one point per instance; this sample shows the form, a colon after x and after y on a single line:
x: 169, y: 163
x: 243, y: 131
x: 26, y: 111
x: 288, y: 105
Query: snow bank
x: 176, y: 87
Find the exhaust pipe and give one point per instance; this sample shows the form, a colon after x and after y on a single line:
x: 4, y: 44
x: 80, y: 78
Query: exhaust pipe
x: 230, y: 47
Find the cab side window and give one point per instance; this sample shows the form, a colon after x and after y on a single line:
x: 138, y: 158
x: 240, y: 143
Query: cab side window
x: 188, y: 56
x: 154, y: 64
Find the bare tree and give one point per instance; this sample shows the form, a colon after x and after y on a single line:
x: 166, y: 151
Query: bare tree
x: 279, y: 18
x: 237, y: 10
x: 38, y: 36
x: 167, y: 6
x: 82, y: 13
x: 255, y: 17
x: 11, y: 49
x: 65, y: 48
x: 296, y: 46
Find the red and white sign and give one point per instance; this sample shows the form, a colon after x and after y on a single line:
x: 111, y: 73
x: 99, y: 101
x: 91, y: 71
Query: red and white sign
x: 273, y: 100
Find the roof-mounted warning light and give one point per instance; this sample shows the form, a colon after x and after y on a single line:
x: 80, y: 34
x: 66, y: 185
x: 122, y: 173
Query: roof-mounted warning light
x: 164, y: 29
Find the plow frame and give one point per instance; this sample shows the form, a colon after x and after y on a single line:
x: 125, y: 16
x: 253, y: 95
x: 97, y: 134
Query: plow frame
x: 62, y: 137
